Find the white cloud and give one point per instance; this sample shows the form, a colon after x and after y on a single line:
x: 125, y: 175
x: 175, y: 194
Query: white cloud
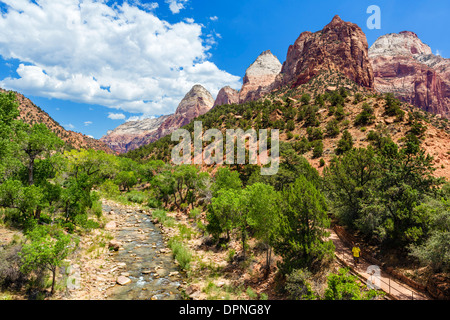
x: 69, y: 126
x: 176, y: 5
x: 116, y: 116
x: 120, y: 56
x: 87, y: 123
x: 214, y: 18
x: 438, y: 52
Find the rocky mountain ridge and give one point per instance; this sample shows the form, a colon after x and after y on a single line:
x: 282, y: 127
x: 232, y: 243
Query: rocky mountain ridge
x: 405, y: 66
x: 31, y: 114
x: 133, y: 134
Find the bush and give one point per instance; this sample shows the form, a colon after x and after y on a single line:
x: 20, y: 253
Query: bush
x: 194, y: 213
x: 317, y: 149
x: 136, y: 197
x: 366, y: 116
x: 345, y: 144
x: 332, y: 128
x: 109, y: 189
x: 180, y: 253
x: 163, y: 218
x: 344, y: 286
x: 298, y: 285
x: 10, y: 264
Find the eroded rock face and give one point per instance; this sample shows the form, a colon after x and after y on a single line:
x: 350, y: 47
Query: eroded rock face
x: 227, y: 95
x: 340, y: 46
x: 132, y: 134
x: 197, y: 102
x: 260, y: 77
x: 405, y: 66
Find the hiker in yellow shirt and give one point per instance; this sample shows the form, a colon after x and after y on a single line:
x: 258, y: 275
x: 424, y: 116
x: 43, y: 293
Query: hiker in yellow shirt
x: 356, y: 250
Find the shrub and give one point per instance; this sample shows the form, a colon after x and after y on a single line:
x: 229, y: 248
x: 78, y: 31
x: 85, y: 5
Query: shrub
x: 317, y: 148
x: 10, y: 264
x: 180, y: 253
x: 345, y: 144
x: 298, y: 285
x: 344, y: 286
x: 366, y: 116
x: 332, y: 128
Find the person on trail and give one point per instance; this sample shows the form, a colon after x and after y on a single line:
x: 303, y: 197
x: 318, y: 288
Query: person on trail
x: 356, y: 250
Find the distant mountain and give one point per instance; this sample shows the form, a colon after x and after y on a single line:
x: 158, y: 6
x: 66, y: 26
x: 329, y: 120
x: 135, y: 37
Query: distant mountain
x: 31, y: 114
x: 131, y: 135
x: 405, y: 66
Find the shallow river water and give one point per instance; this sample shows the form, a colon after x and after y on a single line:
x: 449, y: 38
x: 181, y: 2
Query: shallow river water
x: 153, y: 274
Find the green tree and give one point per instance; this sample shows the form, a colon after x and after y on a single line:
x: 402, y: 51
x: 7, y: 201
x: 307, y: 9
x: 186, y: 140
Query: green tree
x: 349, y: 180
x: 38, y: 140
x: 11, y: 134
x: 305, y: 99
x: 226, y: 179
x: 298, y: 285
x: 263, y: 215
x: 345, y: 143
x: 224, y: 209
x: 332, y: 128
x: 46, y: 248
x: 302, y: 230
x: 126, y: 180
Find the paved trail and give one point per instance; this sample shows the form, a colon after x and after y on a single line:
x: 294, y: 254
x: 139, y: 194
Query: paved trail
x: 394, y: 288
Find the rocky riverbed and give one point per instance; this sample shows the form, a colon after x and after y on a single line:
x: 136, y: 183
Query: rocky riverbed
x: 139, y: 265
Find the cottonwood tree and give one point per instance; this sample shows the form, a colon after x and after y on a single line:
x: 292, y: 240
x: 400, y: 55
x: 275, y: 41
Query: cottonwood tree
x: 46, y: 248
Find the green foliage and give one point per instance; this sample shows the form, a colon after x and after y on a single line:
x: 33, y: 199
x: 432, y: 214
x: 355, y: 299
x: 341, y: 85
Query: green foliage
x: 332, y: 128
x: 263, y: 214
x: 126, y: 180
x: 46, y: 249
x: 435, y: 250
x: 345, y: 143
x: 366, y: 116
x: 181, y: 254
x: 226, y: 179
x: 392, y: 107
x: 378, y: 191
x: 344, y: 286
x: 305, y: 99
x: 298, y: 285
x: 317, y: 148
x: 302, y: 228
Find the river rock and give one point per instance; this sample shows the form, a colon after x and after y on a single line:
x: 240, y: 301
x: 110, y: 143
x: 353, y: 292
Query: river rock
x: 123, y: 280
x: 114, y: 244
x: 110, y: 225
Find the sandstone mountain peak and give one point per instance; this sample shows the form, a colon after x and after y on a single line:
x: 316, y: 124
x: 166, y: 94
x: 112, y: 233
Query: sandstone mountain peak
x: 405, y: 66
x: 196, y: 102
x: 265, y: 64
x: 340, y: 46
x: 336, y: 19
x: 405, y: 43
x: 227, y: 95
x: 260, y: 77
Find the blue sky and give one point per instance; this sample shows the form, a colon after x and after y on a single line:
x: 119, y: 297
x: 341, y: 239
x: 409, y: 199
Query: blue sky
x: 94, y: 64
